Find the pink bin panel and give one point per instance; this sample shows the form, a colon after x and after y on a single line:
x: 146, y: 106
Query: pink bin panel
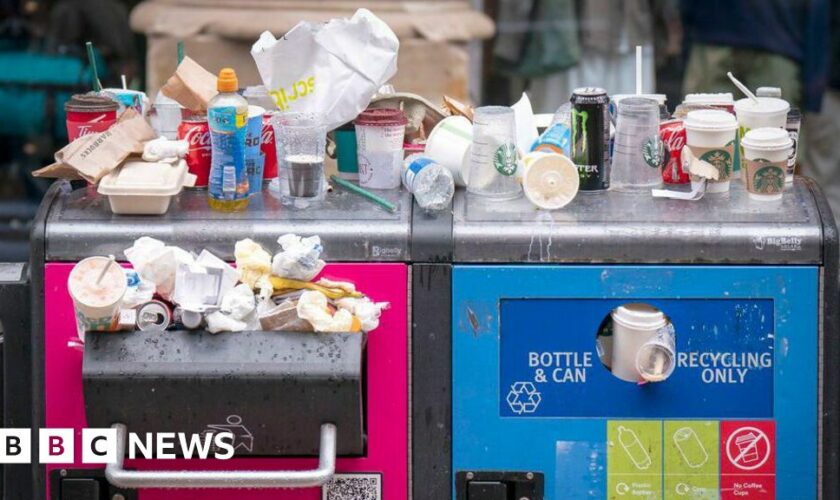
x: 387, y: 392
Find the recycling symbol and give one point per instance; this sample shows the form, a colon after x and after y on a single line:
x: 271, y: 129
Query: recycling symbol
x: 523, y: 398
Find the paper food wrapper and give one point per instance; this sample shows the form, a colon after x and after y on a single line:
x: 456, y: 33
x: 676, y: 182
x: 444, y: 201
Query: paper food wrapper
x: 191, y: 86
x: 92, y: 157
x: 333, y: 68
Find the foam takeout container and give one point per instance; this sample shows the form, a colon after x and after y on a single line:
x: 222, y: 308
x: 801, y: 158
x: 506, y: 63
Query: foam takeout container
x: 145, y: 188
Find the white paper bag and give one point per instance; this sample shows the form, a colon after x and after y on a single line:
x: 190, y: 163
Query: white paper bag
x: 333, y: 68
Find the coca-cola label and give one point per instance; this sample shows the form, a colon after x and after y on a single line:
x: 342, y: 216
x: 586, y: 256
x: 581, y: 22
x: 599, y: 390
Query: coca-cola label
x: 198, y: 138
x: 673, y: 138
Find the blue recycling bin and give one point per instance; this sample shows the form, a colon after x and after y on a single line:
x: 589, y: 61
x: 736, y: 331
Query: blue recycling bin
x: 744, y: 404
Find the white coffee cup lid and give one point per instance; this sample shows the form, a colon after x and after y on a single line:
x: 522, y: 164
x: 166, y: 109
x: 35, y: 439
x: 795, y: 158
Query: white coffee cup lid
x: 710, y: 119
x: 551, y: 181
x: 764, y: 105
x: 722, y: 99
x: 767, y: 138
x: 639, y: 316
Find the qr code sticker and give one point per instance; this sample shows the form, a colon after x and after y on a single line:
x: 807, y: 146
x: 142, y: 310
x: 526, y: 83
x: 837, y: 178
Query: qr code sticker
x: 353, y: 487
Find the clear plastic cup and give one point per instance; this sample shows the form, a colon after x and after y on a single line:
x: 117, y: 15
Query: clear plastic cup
x: 301, y: 140
x: 493, y: 156
x: 637, y: 151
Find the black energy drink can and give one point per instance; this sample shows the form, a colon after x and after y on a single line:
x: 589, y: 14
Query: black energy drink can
x: 590, y: 148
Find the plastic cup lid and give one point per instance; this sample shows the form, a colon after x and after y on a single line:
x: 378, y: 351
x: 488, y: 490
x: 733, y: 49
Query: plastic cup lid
x: 660, y: 99
x: 639, y: 316
x: 381, y: 117
x: 723, y: 98
x: 710, y: 119
x: 551, y: 181
x: 765, y: 105
x: 91, y: 102
x: 767, y: 138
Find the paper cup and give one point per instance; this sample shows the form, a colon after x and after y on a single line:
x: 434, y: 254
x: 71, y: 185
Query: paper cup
x: 766, y: 151
x: 449, y: 145
x: 710, y: 134
x: 550, y: 180
x: 634, y: 325
x: 379, y: 141
x: 97, y: 304
x: 767, y: 112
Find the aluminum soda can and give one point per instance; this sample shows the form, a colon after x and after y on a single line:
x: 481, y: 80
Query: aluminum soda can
x: 195, y: 130
x: 590, y: 145
x: 269, y: 148
x: 154, y: 316
x: 672, y: 133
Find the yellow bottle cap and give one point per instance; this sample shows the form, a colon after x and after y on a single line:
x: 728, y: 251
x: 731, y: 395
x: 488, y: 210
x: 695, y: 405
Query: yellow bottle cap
x: 227, y: 81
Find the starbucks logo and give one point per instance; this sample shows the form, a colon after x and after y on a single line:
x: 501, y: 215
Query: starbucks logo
x: 505, y: 159
x: 721, y: 159
x: 769, y: 179
x: 653, y: 151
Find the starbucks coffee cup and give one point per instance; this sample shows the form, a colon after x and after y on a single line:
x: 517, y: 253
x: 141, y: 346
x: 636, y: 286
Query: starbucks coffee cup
x: 449, y: 145
x: 634, y: 327
x: 710, y: 134
x: 97, y: 301
x: 550, y: 180
x: 766, y: 151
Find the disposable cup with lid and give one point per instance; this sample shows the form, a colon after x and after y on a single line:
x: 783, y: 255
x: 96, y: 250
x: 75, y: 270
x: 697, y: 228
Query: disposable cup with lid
x: 449, y: 145
x: 710, y: 135
x: 379, y: 142
x: 550, y: 180
x: 634, y: 325
x: 97, y: 286
x: 766, y: 152
x: 763, y: 112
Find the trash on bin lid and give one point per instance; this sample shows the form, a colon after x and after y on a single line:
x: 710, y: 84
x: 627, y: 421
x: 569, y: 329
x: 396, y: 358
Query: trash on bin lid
x: 147, y: 179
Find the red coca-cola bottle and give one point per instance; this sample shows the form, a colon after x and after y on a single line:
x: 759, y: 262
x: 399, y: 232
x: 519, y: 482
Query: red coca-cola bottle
x: 196, y: 132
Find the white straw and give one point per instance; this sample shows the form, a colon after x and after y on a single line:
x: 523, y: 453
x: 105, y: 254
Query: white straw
x: 743, y: 88
x: 638, y: 69
x: 105, y: 269
x: 125, y: 84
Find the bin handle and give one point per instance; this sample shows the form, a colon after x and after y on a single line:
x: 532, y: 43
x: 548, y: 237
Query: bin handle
x: 117, y: 475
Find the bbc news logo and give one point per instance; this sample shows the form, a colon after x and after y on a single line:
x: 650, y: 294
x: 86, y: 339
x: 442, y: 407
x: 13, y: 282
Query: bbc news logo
x: 99, y: 446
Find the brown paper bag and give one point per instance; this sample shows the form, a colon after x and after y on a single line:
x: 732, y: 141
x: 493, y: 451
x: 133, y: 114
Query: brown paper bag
x: 92, y: 157
x: 191, y: 86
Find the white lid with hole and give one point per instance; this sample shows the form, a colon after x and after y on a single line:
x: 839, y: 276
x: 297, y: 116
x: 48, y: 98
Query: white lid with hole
x: 761, y: 106
x: 639, y: 317
x: 711, y: 119
x: 770, y: 138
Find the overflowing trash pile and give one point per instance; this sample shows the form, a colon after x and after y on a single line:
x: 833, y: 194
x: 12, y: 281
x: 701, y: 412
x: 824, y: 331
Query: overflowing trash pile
x: 168, y: 287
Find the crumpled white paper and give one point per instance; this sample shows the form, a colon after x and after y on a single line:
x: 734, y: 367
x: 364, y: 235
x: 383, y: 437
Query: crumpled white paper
x: 156, y: 262
x: 299, y: 258
x: 331, y: 68
x: 365, y: 309
x: 313, y: 307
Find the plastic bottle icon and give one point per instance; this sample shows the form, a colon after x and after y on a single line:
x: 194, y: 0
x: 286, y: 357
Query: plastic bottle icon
x: 634, y: 448
x: 691, y: 449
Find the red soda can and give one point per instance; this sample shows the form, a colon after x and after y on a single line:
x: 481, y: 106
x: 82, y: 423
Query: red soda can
x: 89, y: 114
x: 195, y: 130
x: 672, y: 133
x: 268, y: 148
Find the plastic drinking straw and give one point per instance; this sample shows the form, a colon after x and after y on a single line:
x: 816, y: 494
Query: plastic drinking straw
x: 364, y: 193
x: 97, y: 86
x: 180, y: 51
x: 638, y: 69
x: 124, y: 82
x: 743, y: 88
x: 105, y: 268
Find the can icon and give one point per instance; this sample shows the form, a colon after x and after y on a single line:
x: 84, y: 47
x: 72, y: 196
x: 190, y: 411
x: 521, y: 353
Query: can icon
x: 634, y: 448
x: 691, y: 449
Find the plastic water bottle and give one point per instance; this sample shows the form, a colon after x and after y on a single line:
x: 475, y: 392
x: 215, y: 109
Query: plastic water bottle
x: 431, y: 184
x: 227, y: 115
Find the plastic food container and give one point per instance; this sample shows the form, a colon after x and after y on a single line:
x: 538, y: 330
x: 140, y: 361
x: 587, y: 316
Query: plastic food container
x: 144, y: 188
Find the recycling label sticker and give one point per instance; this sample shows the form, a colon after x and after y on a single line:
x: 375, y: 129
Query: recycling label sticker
x: 634, y: 459
x: 692, y: 467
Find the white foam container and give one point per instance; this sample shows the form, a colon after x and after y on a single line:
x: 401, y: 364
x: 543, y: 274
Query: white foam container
x: 144, y: 188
